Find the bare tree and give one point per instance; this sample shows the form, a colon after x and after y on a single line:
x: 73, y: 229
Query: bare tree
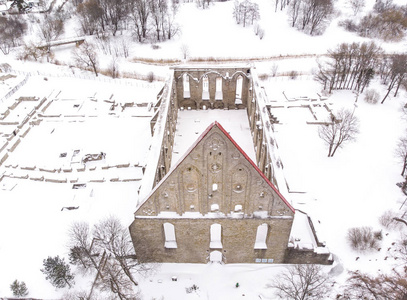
x: 313, y: 14
x: 302, y: 282
x: 184, y: 51
x: 350, y: 66
x: 171, y: 28
x: 381, y: 287
x: 117, y: 13
x: 338, y: 130
x: 383, y: 5
x: 82, y: 252
x: 357, y: 5
x: 11, y: 31
x: 86, y: 56
x: 115, y: 239
x: 401, y: 249
x: 276, y: 5
x: 203, y: 3
x: 114, y: 68
x: 294, y: 11
x: 387, y: 22
x: 90, y: 16
x: 246, y: 12
x: 274, y: 69
x: 159, y: 10
x: 398, y: 71
x: 51, y: 28
x: 115, y: 281
x: 321, y: 11
x: 140, y: 12
x: 401, y: 153
x: 109, y: 251
x: 32, y: 51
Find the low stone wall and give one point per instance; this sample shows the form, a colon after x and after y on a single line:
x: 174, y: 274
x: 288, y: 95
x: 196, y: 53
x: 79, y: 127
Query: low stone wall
x: 15, y: 145
x: 303, y: 256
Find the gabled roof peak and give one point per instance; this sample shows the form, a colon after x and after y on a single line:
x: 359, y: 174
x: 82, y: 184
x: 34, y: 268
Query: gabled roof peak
x: 210, y: 128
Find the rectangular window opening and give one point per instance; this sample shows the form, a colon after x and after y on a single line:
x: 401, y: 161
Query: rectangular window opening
x: 216, y: 235
x: 169, y: 232
x: 261, y: 237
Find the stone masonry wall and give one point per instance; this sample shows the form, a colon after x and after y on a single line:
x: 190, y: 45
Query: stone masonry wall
x: 229, y: 77
x: 193, y: 239
x: 296, y: 256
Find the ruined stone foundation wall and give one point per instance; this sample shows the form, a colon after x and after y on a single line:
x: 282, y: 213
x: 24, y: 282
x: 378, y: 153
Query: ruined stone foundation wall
x: 297, y: 256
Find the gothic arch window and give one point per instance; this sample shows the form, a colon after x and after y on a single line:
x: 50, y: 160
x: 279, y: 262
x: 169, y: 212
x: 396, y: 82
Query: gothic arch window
x: 205, y: 88
x: 185, y: 80
x: 239, y: 89
x: 261, y: 237
x: 218, y: 93
x: 169, y: 232
x: 216, y: 237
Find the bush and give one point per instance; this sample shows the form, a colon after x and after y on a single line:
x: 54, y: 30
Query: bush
x: 150, y: 76
x: 349, y: 25
x: 293, y: 74
x: 192, y: 288
x: 363, y: 238
x: 263, y: 76
x: 371, y: 96
x: 378, y: 235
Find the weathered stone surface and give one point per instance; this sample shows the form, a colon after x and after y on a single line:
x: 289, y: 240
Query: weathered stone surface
x: 193, y: 239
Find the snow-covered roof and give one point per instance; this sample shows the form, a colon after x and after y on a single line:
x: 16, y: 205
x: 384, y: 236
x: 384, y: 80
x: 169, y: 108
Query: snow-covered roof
x: 303, y: 235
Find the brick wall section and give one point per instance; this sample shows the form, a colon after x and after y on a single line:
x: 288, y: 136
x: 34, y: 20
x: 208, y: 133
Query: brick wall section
x: 193, y: 239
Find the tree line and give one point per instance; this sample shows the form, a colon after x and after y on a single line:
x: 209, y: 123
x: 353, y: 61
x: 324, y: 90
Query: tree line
x: 149, y: 20
x: 309, y: 16
x: 387, y: 21
x: 353, y: 66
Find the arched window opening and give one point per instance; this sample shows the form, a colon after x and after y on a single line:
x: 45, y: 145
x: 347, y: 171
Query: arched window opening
x: 218, y: 93
x: 216, y: 236
x: 261, y: 237
x: 205, y: 88
x: 187, y: 92
x: 169, y: 232
x: 239, y: 89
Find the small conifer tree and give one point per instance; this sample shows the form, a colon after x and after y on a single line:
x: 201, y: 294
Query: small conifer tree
x: 19, y: 289
x: 58, y: 272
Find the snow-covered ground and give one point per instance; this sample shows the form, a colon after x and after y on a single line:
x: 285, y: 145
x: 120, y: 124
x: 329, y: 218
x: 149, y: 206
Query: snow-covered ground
x: 351, y: 189
x: 191, y: 124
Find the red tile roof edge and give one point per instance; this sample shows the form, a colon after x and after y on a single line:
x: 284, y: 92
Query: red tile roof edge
x: 254, y: 165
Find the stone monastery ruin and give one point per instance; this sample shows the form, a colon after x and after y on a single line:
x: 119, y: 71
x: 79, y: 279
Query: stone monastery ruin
x: 217, y: 204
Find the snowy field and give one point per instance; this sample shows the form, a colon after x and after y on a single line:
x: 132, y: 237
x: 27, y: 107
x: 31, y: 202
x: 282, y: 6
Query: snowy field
x: 96, y: 115
x: 351, y: 189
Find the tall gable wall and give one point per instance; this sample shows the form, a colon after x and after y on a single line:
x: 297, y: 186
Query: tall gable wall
x: 215, y: 176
